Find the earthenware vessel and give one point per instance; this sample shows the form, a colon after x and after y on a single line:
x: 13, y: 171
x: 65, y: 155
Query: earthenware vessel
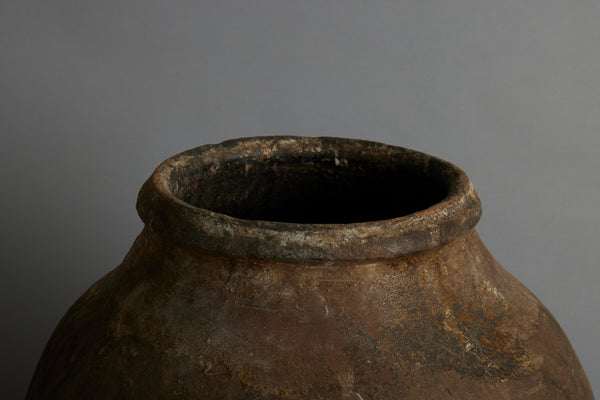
x: 308, y: 268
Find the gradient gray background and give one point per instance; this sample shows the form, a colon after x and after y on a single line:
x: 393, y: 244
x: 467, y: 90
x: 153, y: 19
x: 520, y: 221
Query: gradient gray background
x: 93, y: 95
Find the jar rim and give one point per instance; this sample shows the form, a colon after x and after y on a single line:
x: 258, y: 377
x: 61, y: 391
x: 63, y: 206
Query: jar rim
x: 164, y: 211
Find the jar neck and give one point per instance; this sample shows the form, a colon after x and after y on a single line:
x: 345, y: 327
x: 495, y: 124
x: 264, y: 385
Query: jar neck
x: 300, y: 199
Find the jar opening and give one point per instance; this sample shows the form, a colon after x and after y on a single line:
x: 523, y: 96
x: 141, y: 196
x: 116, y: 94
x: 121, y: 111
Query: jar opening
x: 302, y: 198
x: 329, y: 186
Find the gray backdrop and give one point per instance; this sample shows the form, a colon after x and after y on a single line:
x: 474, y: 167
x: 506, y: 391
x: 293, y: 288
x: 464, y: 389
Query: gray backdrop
x: 94, y: 94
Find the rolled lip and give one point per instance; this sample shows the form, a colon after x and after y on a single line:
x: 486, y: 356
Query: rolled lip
x: 183, y: 223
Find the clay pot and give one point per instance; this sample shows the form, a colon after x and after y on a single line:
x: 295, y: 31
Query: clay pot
x: 308, y: 268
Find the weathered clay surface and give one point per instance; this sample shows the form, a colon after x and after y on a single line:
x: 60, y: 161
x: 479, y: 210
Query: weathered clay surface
x: 325, y: 312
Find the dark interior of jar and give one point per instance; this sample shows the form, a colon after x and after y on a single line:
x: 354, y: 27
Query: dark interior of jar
x: 321, y: 189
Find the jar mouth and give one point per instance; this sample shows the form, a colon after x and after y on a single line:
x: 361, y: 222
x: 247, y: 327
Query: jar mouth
x: 302, y: 198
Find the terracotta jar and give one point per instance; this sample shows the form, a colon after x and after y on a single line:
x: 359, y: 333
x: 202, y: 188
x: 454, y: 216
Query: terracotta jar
x: 308, y: 268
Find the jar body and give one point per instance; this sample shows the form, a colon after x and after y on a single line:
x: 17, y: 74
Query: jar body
x: 176, y: 322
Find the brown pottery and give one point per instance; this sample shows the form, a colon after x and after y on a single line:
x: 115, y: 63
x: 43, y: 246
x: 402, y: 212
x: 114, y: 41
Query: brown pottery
x: 308, y: 268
